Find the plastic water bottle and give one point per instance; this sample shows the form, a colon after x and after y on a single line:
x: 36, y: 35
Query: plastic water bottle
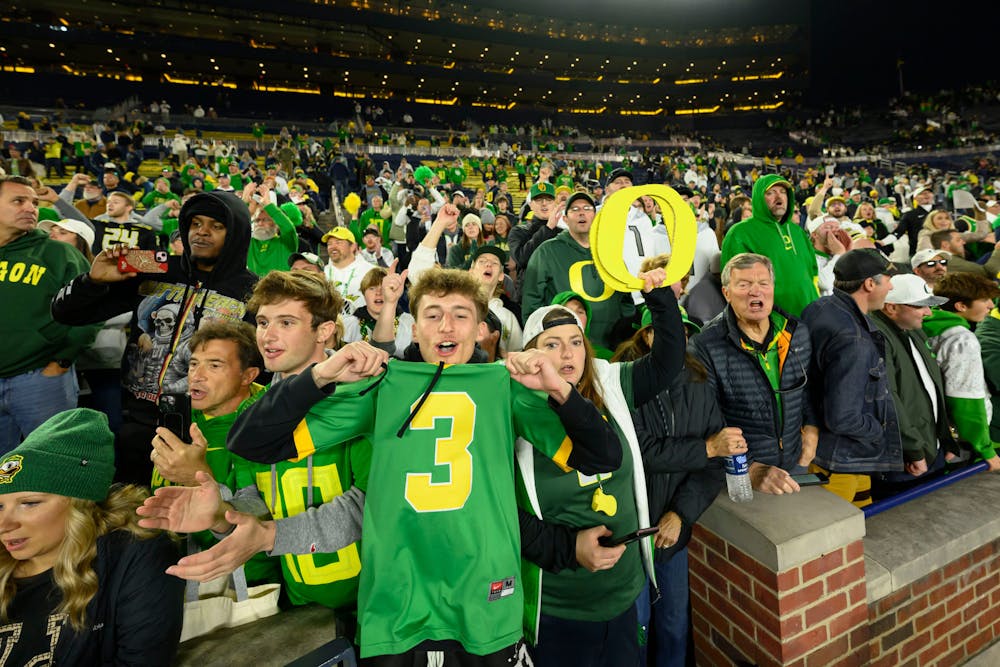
x: 738, y: 479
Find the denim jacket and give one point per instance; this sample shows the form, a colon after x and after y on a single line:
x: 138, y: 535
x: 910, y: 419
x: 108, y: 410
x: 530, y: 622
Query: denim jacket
x: 858, y: 426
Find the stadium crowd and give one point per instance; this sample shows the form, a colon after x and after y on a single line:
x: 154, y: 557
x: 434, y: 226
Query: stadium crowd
x: 299, y: 309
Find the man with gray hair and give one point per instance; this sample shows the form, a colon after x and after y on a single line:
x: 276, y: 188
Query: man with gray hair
x: 757, y: 359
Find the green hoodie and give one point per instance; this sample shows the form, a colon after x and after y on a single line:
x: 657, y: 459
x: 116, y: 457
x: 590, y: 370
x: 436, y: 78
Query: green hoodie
x: 549, y: 272
x: 988, y: 333
x: 33, y: 268
x: 783, y: 241
x: 965, y: 390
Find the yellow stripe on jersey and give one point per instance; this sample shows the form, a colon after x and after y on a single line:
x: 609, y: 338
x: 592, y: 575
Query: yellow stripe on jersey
x: 562, y: 455
x: 304, y: 445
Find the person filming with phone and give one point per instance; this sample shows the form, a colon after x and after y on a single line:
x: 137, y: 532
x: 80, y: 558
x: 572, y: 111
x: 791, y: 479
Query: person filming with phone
x: 168, y: 304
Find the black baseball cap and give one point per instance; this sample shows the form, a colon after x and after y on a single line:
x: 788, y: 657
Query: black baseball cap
x: 861, y: 264
x: 492, y: 250
x: 579, y: 195
x: 620, y: 172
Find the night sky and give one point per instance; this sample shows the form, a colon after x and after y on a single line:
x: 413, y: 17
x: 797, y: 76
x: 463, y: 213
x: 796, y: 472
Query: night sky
x: 856, y: 45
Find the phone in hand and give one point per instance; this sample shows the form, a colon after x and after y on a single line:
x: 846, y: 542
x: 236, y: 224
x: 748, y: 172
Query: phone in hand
x: 612, y: 541
x: 143, y: 261
x: 811, y: 479
x: 175, y: 415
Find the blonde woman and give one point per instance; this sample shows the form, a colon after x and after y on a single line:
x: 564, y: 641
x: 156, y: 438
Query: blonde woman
x: 80, y: 582
x: 939, y: 220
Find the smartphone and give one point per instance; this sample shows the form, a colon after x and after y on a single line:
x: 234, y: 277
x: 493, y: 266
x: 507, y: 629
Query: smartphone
x: 811, y: 479
x: 175, y: 415
x: 143, y: 261
x: 612, y: 541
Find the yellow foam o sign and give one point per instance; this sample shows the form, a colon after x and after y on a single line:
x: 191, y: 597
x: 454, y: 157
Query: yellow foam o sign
x: 607, y: 236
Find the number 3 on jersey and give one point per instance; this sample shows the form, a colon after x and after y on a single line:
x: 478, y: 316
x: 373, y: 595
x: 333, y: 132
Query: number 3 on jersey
x: 452, y: 451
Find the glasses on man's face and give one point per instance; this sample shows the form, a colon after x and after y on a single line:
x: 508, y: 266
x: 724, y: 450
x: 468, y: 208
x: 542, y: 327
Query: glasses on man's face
x: 935, y: 262
x: 579, y: 209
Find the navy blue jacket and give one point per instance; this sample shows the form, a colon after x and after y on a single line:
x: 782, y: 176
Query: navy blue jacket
x: 858, y: 426
x: 774, y: 437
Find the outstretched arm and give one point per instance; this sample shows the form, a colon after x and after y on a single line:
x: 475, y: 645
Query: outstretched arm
x: 654, y: 372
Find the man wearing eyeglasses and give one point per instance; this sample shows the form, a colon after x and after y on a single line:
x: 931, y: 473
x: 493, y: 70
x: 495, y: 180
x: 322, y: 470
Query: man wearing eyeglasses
x: 954, y: 243
x: 930, y: 264
x: 565, y: 263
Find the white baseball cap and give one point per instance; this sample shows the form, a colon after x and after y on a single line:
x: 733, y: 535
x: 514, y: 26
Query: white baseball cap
x: 911, y: 290
x: 78, y: 227
x: 533, y: 327
x: 922, y: 256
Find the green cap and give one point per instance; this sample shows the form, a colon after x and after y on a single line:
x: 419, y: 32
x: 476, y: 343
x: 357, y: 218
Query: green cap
x: 542, y: 189
x: 72, y: 454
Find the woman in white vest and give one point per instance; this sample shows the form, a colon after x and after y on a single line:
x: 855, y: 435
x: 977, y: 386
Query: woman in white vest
x: 586, y: 615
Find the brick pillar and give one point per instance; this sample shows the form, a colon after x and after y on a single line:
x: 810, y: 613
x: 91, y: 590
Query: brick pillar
x: 772, y: 586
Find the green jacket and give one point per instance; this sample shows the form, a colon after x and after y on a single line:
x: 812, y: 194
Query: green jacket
x: 919, y: 429
x: 988, y: 333
x: 784, y: 242
x: 561, y: 264
x: 33, y: 268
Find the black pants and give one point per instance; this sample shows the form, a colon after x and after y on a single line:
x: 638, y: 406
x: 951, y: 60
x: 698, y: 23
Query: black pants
x: 515, y: 655
x: 613, y: 643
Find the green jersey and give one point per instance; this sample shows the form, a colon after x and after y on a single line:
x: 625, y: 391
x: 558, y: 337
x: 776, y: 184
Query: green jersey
x: 272, y: 255
x: 289, y: 488
x: 441, y: 538
x: 371, y: 218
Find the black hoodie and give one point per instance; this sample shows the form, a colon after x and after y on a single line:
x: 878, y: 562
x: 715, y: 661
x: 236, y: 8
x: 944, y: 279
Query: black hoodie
x: 157, y: 300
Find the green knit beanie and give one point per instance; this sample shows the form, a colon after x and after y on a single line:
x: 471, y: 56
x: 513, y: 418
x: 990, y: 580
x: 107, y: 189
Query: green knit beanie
x: 72, y: 454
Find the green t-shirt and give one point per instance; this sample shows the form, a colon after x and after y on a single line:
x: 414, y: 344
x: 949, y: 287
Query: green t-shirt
x: 265, y: 256
x: 456, y: 176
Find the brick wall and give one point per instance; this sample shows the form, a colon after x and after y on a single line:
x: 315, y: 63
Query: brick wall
x: 946, y: 617
x: 810, y: 615
x: 817, y: 613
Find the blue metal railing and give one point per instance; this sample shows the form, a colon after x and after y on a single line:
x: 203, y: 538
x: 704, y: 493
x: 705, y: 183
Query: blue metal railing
x: 923, y: 489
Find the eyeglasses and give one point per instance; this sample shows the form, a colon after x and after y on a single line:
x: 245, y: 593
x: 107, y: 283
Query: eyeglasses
x: 935, y: 262
x: 578, y: 209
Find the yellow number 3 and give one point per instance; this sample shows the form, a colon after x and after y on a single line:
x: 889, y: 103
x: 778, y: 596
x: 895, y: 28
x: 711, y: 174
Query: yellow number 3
x: 451, y: 451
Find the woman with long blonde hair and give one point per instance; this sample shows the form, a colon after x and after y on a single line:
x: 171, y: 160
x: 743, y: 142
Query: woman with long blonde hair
x: 79, y: 579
